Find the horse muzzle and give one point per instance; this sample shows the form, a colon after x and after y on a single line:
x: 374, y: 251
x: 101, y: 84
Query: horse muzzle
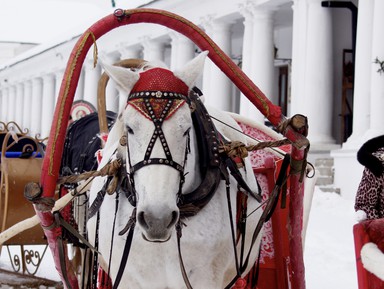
x: 157, y: 227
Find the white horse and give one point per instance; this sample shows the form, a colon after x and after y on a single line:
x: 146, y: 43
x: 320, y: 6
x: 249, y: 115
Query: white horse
x: 162, y: 161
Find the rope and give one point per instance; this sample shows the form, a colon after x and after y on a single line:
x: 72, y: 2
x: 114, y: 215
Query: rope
x: 95, y: 50
x: 110, y: 169
x: 298, y: 122
x: 239, y: 149
x: 243, y: 133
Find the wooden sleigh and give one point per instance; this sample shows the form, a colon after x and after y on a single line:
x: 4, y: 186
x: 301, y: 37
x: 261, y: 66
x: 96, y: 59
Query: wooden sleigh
x: 20, y: 163
x: 21, y: 160
x: 284, y: 268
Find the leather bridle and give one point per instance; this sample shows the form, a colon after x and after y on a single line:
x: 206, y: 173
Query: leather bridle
x: 157, y: 134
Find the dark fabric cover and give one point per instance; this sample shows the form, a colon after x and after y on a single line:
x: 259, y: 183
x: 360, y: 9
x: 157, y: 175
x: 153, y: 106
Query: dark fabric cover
x: 20, y: 146
x: 81, y: 144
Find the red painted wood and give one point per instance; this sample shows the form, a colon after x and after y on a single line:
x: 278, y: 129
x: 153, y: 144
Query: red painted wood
x: 297, y: 270
x: 366, y: 280
x: 47, y: 219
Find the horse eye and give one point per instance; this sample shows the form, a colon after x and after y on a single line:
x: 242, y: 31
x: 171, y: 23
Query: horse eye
x: 129, y: 130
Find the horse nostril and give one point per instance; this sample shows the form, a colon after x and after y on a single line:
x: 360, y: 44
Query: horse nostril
x: 174, y: 219
x: 141, y: 220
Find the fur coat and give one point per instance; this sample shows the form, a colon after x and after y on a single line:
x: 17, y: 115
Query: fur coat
x: 370, y: 194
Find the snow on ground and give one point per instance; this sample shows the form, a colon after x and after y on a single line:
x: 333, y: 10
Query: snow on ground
x: 329, y: 254
x: 329, y: 249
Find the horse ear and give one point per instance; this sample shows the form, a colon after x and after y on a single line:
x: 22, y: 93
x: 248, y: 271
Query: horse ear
x: 192, y: 70
x: 123, y: 77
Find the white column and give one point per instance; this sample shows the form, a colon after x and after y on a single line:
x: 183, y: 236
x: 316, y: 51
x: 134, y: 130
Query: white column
x: 48, y: 104
x: 127, y: 53
x: 112, y: 94
x: 153, y: 49
x: 299, y: 40
x: 368, y: 97
x: 246, y: 107
x: 19, y: 104
x: 318, y: 75
x: 377, y: 78
x: 12, y: 104
x: 220, y: 86
x: 174, y: 51
x: 27, y: 112
x: 362, y: 83
x: 4, y: 105
x: 183, y: 50
x: 1, y: 105
x: 91, y: 78
x: 79, y: 94
x: 36, y: 107
x: 58, y: 80
x: 208, y: 65
x: 262, y: 69
x: 186, y: 51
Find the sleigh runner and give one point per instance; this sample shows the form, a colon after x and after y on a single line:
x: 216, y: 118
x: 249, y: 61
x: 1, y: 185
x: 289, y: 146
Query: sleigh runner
x: 277, y: 267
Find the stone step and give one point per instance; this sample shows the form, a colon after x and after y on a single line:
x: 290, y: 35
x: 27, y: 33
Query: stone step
x: 329, y: 189
x: 324, y: 180
x: 324, y: 162
x: 324, y: 171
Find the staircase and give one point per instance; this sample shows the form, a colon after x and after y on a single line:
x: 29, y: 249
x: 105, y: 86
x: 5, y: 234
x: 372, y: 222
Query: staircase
x: 325, y: 173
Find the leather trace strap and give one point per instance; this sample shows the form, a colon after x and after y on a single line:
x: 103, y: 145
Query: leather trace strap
x: 98, y: 201
x: 179, y: 226
x: 231, y: 165
x: 127, y: 248
x: 268, y: 210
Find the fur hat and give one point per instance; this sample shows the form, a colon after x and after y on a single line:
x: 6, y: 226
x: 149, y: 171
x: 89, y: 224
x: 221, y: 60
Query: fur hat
x: 371, y: 155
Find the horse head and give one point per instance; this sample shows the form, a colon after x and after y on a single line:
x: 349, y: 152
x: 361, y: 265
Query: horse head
x: 160, y: 154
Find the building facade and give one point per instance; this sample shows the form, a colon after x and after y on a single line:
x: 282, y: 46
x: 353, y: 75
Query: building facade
x: 311, y: 57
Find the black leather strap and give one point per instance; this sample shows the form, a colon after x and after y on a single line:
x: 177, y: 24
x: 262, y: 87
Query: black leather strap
x: 127, y: 248
x: 240, y: 180
x: 271, y: 204
x: 268, y: 210
x: 181, y: 262
x: 98, y: 201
